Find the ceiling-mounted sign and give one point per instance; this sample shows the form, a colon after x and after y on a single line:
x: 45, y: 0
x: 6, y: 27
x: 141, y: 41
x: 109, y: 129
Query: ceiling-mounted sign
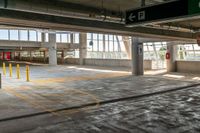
x: 161, y: 12
x: 193, y: 7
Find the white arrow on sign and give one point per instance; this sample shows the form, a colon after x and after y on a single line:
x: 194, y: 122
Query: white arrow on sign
x: 131, y: 17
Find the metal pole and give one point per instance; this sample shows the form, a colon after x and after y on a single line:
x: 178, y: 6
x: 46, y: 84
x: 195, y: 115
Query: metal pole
x: 0, y: 81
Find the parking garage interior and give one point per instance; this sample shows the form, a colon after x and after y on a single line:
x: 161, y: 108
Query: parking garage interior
x: 78, y: 66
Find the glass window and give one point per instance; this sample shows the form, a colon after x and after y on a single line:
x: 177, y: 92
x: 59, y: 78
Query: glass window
x: 39, y: 36
x: 69, y: 38
x: 14, y: 35
x: 100, y: 36
x: 122, y: 47
x: 89, y: 36
x: 4, y: 34
x: 116, y: 47
x: 106, y: 37
x: 89, y: 47
x: 58, y: 38
x: 23, y: 35
x: 64, y: 38
x: 32, y: 35
x: 101, y: 45
x: 95, y: 36
x: 111, y: 46
x: 46, y: 37
x: 111, y: 37
x: 106, y: 46
x: 76, y: 38
x: 95, y: 45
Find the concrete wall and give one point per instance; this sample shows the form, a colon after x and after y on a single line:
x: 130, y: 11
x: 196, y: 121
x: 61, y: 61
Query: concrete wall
x: 188, y: 66
x: 109, y: 62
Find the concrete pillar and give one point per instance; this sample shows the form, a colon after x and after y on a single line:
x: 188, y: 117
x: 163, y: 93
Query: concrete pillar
x: 137, y: 57
x: 82, y: 48
x: 43, y: 37
x: 52, y: 49
x: 171, y: 63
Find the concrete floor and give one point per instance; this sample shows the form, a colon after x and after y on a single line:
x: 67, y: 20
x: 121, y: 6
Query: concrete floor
x: 71, y: 99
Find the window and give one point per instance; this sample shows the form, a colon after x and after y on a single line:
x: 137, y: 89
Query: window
x: 32, y: 35
x: 4, y: 35
x: 46, y: 37
x: 69, y: 38
x: 105, y: 46
x: 39, y: 36
x: 58, y: 38
x: 189, y: 52
x: 23, y: 35
x: 64, y: 38
x: 14, y: 35
x: 76, y: 38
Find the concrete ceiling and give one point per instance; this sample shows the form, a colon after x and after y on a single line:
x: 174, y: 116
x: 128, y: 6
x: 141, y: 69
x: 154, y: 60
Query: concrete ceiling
x: 193, y: 24
x: 115, y: 5
x: 50, y: 14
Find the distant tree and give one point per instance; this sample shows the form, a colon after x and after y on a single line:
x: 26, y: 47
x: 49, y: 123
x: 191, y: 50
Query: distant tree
x: 162, y: 52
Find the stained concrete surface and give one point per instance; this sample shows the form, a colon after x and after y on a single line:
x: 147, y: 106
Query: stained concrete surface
x: 63, y: 87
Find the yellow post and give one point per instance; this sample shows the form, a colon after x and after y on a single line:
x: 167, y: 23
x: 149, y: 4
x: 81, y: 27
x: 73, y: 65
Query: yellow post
x: 4, y: 69
x: 27, y: 73
x: 10, y: 69
x: 18, y: 71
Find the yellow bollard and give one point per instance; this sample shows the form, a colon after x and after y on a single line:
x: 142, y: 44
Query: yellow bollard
x: 18, y: 71
x: 4, y: 69
x: 27, y: 73
x: 10, y: 69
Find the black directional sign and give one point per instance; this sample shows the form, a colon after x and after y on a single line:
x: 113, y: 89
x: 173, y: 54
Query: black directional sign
x: 170, y: 10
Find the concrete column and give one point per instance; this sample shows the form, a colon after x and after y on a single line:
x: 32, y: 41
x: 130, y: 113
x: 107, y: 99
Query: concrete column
x: 42, y: 40
x: 171, y: 63
x: 82, y: 48
x: 137, y: 57
x: 52, y: 49
x: 43, y: 37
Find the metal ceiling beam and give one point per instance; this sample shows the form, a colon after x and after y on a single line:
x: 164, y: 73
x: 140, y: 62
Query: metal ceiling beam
x: 44, y: 21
